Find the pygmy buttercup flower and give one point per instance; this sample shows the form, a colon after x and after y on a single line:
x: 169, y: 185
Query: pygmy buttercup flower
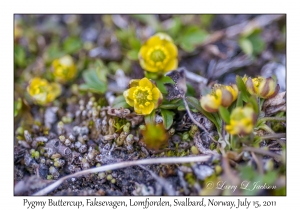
x: 43, y: 92
x: 261, y: 87
x: 223, y: 95
x: 159, y: 54
x: 143, y: 95
x: 64, y: 69
x: 241, y: 121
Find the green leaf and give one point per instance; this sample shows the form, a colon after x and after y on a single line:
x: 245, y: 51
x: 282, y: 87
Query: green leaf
x: 194, y: 103
x: 150, y: 20
x: 168, y: 106
x: 133, y: 54
x: 239, y: 101
x: 175, y: 27
x: 191, y: 37
x: 167, y: 118
x: 242, y: 87
x: 224, y: 113
x: 53, y: 52
x: 150, y: 118
x: 181, y: 108
x: 257, y: 42
x: 101, y: 71
x: 20, y: 56
x: 252, y: 100
x: 135, y: 43
x: 161, y: 81
x: 190, y: 90
x: 72, y: 44
x: 174, y: 104
x: 120, y: 102
x: 17, y: 106
x: 246, y: 46
x: 92, y: 82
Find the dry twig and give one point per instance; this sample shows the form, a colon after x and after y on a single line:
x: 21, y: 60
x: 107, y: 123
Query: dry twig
x: 120, y: 165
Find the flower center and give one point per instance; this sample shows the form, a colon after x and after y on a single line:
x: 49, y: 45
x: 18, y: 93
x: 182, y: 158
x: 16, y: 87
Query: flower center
x: 142, y: 96
x: 257, y: 81
x: 158, y: 55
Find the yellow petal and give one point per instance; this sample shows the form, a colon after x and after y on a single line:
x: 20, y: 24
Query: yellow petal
x: 128, y: 95
x: 152, y: 41
x: 148, y: 67
x: 137, y: 109
x: 66, y: 60
x: 148, y: 109
x: 134, y: 82
x: 164, y: 36
x: 156, y: 94
x: 40, y: 98
x: 230, y: 129
x: 143, y: 52
x: 210, y: 103
x: 171, y: 65
x: 172, y: 49
x: 145, y: 83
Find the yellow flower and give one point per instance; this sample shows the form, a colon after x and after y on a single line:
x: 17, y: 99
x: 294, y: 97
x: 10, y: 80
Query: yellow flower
x: 241, y: 121
x: 262, y: 87
x: 159, y: 54
x: 64, y: 69
x: 143, y: 95
x: 43, y: 92
x: 220, y: 95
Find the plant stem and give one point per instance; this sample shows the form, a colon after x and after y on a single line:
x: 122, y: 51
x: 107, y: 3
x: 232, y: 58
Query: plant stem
x: 266, y: 128
x: 274, y: 136
x: 195, y: 121
x: 263, y: 152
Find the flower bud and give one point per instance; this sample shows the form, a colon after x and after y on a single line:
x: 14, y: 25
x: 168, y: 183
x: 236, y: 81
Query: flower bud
x: 43, y: 92
x: 64, y: 69
x: 220, y: 95
x: 242, y: 121
x: 155, y: 136
x: 262, y: 87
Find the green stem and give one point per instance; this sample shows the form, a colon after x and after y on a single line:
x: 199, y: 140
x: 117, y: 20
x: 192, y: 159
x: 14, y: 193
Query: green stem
x: 259, y: 108
x: 266, y: 128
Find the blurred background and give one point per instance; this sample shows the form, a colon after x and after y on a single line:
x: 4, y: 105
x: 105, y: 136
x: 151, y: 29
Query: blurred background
x: 214, y: 46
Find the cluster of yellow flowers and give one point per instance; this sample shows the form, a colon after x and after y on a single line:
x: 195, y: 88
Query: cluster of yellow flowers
x: 42, y: 91
x: 159, y: 55
x: 241, y: 119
